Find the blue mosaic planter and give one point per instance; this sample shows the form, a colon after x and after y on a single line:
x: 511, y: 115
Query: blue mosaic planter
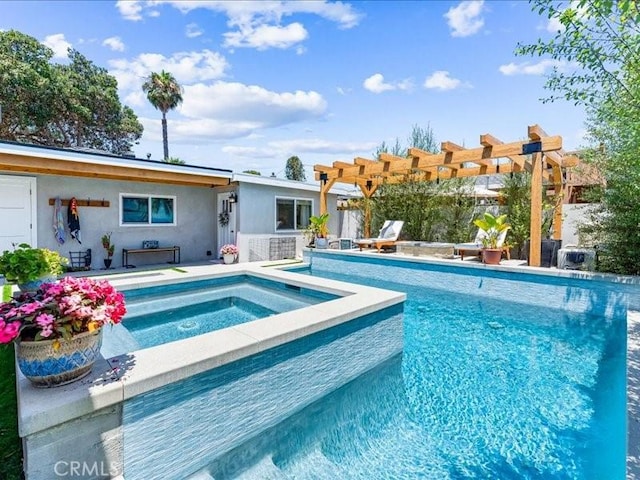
x: 46, y: 367
x: 33, y: 285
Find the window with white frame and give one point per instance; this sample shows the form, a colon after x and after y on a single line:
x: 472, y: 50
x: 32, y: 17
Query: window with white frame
x: 156, y: 210
x: 293, y: 213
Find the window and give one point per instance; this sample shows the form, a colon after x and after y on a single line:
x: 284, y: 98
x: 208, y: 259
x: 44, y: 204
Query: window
x: 293, y: 213
x: 147, y: 210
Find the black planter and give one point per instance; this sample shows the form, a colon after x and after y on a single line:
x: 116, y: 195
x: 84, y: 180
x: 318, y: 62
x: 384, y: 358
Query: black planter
x: 548, y: 252
x: 107, y: 263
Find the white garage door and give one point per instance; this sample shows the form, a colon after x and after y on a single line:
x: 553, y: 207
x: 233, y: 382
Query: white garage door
x: 17, y: 211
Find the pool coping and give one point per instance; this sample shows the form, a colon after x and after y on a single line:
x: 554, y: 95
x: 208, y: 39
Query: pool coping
x: 119, y: 378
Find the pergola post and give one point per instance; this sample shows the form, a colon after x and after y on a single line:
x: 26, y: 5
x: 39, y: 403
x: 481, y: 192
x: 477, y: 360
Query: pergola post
x: 557, y: 208
x: 367, y: 190
x: 535, y: 238
x: 325, y: 186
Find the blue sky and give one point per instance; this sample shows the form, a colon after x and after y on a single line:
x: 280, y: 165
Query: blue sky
x: 325, y: 81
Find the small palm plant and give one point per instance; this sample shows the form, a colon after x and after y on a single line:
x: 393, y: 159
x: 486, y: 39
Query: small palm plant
x: 494, y: 226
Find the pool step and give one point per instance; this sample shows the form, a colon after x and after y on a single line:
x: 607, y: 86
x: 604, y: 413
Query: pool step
x: 265, y: 469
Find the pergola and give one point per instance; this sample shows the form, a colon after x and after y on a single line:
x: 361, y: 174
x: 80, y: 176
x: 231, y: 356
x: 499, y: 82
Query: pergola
x: 541, y: 155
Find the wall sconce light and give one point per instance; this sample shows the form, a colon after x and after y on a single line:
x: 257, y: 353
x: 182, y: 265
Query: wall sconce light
x: 369, y: 184
x: 233, y: 198
x: 324, y: 178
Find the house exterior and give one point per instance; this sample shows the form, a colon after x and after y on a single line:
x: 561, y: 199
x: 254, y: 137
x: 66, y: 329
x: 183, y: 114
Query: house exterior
x: 139, y: 200
x: 272, y: 214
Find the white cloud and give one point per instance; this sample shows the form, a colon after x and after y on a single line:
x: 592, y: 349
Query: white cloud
x: 263, y: 37
x: 193, y: 30
x: 130, y: 9
x: 284, y: 148
x: 527, y: 68
x: 254, y: 106
x: 114, y: 43
x: 441, y: 80
x: 255, y: 13
x: 186, y: 67
x: 321, y: 146
x: 254, y: 24
x: 58, y: 44
x: 233, y: 110
x: 136, y: 98
x: 465, y: 19
x: 376, y: 84
x: 554, y: 25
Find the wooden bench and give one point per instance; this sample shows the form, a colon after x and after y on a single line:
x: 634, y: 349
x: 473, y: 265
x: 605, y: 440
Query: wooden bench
x: 127, y: 251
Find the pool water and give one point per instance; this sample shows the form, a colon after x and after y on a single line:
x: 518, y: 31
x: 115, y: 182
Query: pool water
x: 160, y: 315
x: 184, y: 322
x: 483, y: 389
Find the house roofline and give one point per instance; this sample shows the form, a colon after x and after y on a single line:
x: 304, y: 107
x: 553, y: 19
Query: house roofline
x: 70, y: 154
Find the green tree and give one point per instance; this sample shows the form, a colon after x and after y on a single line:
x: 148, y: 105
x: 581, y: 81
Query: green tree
x: 602, y: 37
x: 164, y: 93
x: 252, y: 172
x: 432, y: 211
x: 295, y: 170
x: 72, y: 105
x: 174, y: 160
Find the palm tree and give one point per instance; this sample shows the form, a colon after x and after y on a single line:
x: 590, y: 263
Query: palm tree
x: 164, y: 93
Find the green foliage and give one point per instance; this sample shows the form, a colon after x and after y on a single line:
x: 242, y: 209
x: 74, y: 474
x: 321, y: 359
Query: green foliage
x: 107, y: 245
x: 164, y: 93
x: 431, y: 211
x: 10, y: 445
x: 25, y: 264
x: 69, y: 105
x: 252, y: 172
x: 494, y: 226
x: 318, y: 226
x: 603, y: 38
x: 295, y: 170
x: 174, y: 160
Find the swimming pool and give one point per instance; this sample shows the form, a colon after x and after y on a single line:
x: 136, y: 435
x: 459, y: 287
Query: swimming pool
x: 529, y: 383
x: 168, y: 313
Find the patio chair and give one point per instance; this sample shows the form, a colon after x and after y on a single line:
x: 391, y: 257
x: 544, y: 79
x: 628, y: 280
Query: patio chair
x: 387, y: 237
x: 475, y: 247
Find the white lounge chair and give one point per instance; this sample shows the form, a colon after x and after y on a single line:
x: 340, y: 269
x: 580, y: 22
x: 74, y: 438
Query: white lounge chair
x: 387, y: 237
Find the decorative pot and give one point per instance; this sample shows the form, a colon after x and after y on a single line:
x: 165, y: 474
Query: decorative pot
x: 228, y: 258
x: 322, y: 242
x: 33, y: 285
x: 491, y: 256
x: 107, y: 263
x: 46, y: 367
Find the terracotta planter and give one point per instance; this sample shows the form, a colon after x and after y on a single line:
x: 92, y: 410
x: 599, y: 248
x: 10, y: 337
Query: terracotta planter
x: 46, y: 367
x: 491, y: 256
x: 228, y: 258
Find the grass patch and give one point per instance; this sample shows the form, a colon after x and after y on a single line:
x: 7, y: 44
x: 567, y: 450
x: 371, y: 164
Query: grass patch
x: 10, y: 445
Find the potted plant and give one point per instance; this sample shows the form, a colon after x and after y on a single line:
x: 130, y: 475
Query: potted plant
x: 319, y: 230
x: 229, y: 253
x: 494, y: 227
x: 109, y: 249
x: 58, y: 328
x: 29, y: 267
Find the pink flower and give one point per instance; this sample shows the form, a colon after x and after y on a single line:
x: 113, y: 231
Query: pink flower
x: 9, y: 331
x: 73, y: 305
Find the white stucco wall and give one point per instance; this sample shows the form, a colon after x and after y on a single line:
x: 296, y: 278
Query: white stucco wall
x: 572, y: 216
x: 194, y: 232
x: 257, y: 211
